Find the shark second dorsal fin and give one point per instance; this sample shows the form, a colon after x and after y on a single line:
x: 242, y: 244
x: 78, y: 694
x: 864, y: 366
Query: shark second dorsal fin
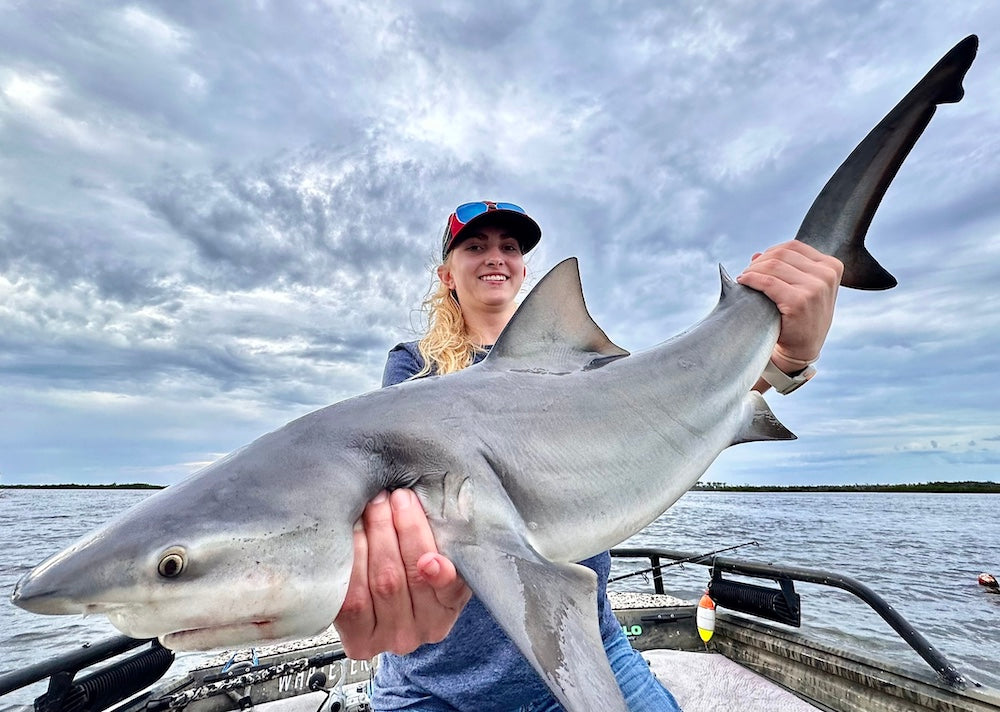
x: 552, y: 330
x: 760, y: 423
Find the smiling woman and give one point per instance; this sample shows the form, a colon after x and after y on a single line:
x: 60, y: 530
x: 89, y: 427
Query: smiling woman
x: 480, y: 275
x: 485, y: 272
x: 481, y: 271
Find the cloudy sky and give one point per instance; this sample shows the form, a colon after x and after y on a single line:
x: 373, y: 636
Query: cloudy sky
x: 215, y: 217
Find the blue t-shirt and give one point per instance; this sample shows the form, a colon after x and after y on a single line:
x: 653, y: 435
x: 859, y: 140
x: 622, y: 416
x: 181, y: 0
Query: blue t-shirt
x: 476, y: 667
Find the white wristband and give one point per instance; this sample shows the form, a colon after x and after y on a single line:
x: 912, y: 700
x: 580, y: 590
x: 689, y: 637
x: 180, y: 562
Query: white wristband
x: 782, y: 382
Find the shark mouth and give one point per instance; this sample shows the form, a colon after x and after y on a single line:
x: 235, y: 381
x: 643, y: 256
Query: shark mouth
x: 221, y: 636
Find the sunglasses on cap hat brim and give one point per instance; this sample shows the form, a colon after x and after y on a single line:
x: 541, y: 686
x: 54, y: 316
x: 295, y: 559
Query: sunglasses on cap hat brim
x: 528, y: 231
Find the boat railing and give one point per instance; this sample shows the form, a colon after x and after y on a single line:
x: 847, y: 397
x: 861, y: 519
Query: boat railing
x: 123, y: 678
x: 779, y: 573
x: 100, y: 689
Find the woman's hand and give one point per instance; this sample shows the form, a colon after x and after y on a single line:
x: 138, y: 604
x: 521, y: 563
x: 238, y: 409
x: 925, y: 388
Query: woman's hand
x: 802, y: 282
x: 402, y: 592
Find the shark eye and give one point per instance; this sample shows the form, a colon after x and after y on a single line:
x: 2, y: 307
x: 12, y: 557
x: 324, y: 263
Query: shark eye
x: 171, y: 563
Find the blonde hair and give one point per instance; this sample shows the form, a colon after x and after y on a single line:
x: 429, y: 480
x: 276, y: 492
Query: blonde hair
x: 446, y: 346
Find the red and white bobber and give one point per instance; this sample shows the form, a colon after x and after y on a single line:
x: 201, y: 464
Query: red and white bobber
x: 706, y: 617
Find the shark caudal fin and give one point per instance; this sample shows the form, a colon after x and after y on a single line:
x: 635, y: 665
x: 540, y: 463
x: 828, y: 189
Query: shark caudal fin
x: 839, y: 217
x: 552, y: 329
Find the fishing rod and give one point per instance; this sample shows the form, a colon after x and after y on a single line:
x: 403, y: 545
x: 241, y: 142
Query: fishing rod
x: 658, y: 567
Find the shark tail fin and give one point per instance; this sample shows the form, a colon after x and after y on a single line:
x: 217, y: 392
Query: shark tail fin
x: 761, y: 423
x: 838, y: 219
x: 862, y: 271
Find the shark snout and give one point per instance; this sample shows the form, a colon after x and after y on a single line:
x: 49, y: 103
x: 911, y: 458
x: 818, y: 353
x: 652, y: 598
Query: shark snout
x: 35, y: 596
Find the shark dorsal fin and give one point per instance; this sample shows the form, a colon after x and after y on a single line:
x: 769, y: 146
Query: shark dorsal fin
x: 552, y: 330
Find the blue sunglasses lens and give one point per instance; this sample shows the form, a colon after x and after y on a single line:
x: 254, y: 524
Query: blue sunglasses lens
x: 467, y: 211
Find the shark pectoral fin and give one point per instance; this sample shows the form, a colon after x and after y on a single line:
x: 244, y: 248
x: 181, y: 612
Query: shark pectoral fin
x: 553, y: 331
x: 761, y: 423
x: 549, y: 611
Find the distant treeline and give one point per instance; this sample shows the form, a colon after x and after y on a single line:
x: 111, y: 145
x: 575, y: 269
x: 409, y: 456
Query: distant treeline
x: 938, y: 487
x: 113, y: 485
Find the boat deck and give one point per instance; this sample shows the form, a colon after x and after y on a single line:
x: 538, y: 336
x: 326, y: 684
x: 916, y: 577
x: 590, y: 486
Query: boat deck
x: 700, y: 680
x: 751, y: 665
x: 705, y: 682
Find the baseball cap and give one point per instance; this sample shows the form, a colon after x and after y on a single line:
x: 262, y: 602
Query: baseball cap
x: 468, y: 215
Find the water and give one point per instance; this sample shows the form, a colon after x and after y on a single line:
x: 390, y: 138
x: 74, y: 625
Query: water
x: 922, y: 552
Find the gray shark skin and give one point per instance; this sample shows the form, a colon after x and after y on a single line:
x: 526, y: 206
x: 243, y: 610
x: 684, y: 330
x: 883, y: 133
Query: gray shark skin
x: 556, y: 447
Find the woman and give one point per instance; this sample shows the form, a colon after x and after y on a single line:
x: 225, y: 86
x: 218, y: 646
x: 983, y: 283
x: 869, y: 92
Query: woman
x: 403, y: 593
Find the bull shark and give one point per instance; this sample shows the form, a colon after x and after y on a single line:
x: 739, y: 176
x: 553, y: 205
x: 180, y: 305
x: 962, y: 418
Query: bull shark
x: 556, y: 447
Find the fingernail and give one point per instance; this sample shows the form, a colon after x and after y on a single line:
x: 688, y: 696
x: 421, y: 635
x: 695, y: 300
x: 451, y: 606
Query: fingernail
x: 401, y: 499
x: 380, y: 497
x: 432, y: 568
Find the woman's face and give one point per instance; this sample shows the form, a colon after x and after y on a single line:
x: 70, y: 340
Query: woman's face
x: 486, y: 269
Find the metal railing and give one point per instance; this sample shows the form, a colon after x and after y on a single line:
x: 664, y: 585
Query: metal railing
x: 890, y: 615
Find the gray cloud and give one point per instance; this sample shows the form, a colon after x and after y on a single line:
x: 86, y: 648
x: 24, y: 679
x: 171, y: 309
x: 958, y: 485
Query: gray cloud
x: 214, y: 218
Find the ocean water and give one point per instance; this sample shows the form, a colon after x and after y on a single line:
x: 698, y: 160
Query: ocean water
x: 921, y: 552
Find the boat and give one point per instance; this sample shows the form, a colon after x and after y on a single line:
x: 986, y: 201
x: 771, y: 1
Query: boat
x: 755, y: 659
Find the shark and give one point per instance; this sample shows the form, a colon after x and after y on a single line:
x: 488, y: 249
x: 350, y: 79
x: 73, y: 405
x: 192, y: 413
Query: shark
x: 556, y: 447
